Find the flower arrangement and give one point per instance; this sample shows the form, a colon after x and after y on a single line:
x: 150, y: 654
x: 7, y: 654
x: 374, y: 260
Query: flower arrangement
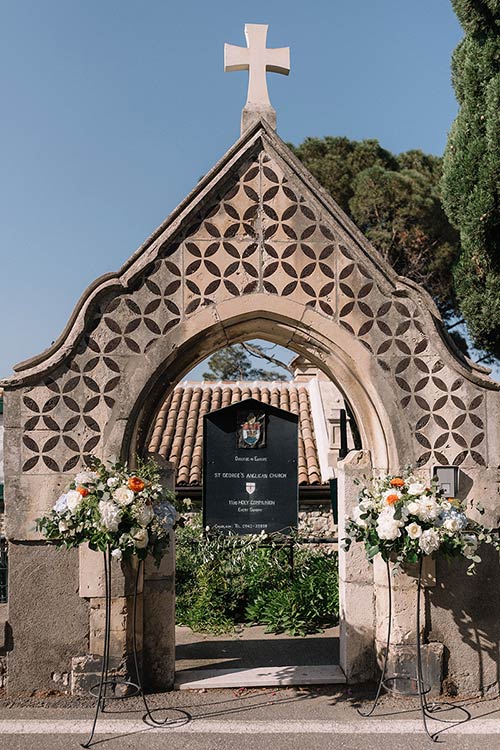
x: 403, y: 518
x: 130, y: 512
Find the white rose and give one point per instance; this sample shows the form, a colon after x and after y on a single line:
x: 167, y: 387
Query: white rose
x: 73, y: 500
x: 469, y: 550
x: 123, y: 495
x: 110, y: 515
x: 414, y: 531
x: 471, y: 544
x: 144, y: 515
x: 389, y: 530
x: 452, y: 524
x: 86, y: 477
x: 387, y: 526
x: 428, y: 508
x: 366, y: 503
x: 445, y: 505
x: 415, y: 488
x: 413, y: 507
x: 112, y: 481
x: 116, y: 554
x: 63, y: 525
x: 140, y: 537
x: 429, y: 541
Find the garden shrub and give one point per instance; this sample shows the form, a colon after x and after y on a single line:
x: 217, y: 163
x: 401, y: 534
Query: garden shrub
x: 222, y: 581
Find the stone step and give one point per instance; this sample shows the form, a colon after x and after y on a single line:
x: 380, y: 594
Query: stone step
x: 193, y: 679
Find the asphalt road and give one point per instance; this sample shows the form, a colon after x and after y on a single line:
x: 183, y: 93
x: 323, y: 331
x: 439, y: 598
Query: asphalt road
x: 282, y: 719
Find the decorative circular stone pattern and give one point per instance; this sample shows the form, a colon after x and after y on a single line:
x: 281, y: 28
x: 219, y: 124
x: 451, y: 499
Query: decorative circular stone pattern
x: 264, y: 232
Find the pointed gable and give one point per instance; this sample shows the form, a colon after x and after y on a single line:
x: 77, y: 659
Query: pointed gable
x: 258, y: 226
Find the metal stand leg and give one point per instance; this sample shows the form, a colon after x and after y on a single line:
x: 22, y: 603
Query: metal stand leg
x: 386, y: 655
x: 182, y: 717
x: 427, y: 711
x: 103, y: 683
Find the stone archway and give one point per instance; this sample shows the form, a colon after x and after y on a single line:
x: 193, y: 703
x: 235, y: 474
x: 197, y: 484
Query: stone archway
x: 278, y: 321
x: 375, y: 410
x: 258, y: 249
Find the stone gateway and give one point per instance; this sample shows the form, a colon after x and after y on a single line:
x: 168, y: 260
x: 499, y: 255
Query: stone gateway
x: 257, y: 250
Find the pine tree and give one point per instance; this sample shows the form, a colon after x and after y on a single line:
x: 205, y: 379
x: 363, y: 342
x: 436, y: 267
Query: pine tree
x: 395, y: 201
x: 471, y: 178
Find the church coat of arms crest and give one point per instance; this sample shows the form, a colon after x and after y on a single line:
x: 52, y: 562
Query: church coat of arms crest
x: 251, y: 431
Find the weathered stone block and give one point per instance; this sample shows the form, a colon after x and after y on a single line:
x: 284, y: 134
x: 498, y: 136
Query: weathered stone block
x: 49, y: 620
x: 86, y: 673
x: 402, y: 662
x: 357, y: 632
x: 121, y: 626
x: 91, y: 574
x: 159, y: 621
x: 27, y: 498
x: 12, y: 404
x: 353, y: 565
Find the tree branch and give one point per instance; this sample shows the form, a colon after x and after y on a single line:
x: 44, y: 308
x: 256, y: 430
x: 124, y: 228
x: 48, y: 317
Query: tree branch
x: 256, y: 351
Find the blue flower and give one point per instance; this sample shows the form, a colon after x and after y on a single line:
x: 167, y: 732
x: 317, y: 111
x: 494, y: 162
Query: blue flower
x: 62, y: 504
x: 453, y: 519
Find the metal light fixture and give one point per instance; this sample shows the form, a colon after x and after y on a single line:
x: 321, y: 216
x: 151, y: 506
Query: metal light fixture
x: 447, y: 479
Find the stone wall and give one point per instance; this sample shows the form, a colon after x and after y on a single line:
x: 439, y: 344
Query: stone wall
x: 46, y: 615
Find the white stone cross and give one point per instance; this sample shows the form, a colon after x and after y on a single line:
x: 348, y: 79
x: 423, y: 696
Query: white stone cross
x: 257, y: 59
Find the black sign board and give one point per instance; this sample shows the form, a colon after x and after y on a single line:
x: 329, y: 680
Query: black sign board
x: 250, y: 469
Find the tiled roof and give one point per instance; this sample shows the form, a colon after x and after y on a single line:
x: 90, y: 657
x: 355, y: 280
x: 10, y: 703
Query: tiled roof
x: 178, y: 431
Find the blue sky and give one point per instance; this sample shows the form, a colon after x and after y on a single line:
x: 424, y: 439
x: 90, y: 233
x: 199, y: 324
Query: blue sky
x: 113, y: 109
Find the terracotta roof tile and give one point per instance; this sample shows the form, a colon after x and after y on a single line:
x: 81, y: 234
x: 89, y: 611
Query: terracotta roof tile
x: 178, y: 431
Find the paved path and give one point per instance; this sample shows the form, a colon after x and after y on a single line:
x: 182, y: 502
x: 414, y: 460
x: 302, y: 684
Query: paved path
x: 251, y: 646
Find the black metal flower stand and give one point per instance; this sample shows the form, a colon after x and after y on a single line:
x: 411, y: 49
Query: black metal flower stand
x: 100, y: 690
x: 413, y: 686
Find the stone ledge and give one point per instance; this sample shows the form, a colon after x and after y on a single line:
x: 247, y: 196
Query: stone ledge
x: 193, y: 679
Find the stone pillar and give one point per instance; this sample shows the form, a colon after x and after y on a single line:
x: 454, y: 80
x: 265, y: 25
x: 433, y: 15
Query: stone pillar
x: 155, y: 621
x: 402, y: 649
x: 159, y: 621
x: 357, y: 620
x: 48, y: 622
x: 86, y: 669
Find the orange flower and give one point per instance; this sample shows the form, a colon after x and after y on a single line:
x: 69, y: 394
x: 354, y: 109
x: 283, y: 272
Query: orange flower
x: 391, y: 499
x: 397, y: 482
x: 135, y: 484
x: 83, y: 491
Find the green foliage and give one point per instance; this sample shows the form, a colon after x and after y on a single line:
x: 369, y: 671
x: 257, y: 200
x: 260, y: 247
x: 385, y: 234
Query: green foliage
x: 306, y: 603
x: 471, y: 178
x: 233, y: 363
x: 395, y: 201
x: 225, y: 580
